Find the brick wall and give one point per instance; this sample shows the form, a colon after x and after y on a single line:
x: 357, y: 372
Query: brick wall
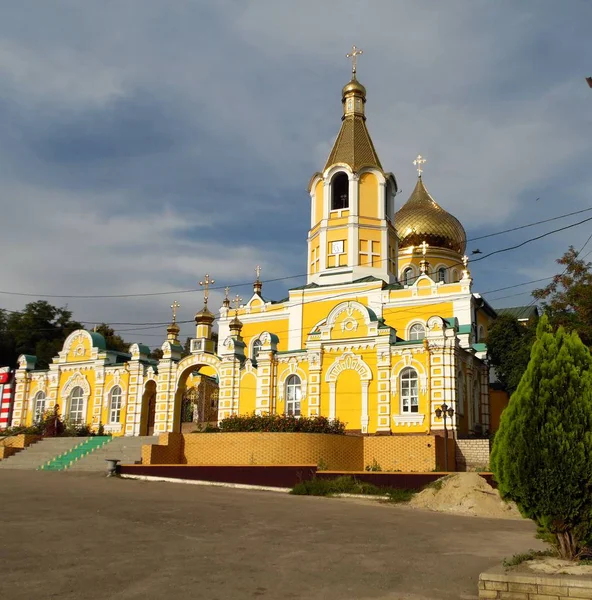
x: 415, y: 453
x: 499, y: 584
x: 22, y: 440
x: 401, y: 453
x: 471, y: 454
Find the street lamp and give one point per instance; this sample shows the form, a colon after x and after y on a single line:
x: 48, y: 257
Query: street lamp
x: 444, y: 411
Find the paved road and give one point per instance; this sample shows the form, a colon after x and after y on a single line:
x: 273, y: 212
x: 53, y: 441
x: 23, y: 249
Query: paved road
x: 66, y: 535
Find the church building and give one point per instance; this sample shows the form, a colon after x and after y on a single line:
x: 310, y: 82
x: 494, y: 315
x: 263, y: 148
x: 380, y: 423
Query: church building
x: 385, y: 331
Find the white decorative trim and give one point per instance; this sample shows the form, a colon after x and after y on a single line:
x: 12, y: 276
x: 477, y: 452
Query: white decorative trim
x: 292, y: 370
x: 409, y: 419
x: 348, y: 362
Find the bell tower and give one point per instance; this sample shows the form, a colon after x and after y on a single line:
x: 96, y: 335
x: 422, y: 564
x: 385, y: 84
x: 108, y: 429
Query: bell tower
x: 352, y: 233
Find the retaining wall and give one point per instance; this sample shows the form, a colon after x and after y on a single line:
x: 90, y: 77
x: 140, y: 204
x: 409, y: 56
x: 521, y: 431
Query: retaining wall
x: 416, y: 453
x: 472, y: 454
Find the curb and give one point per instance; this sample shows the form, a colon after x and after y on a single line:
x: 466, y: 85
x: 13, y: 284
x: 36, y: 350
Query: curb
x: 241, y: 486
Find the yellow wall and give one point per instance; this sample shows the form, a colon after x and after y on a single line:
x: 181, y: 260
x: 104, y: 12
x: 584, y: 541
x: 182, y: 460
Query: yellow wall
x: 368, y: 195
x: 248, y: 394
x: 318, y: 202
x: 401, y: 318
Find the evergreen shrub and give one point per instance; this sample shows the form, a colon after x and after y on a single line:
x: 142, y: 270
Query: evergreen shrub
x: 542, y: 453
x: 281, y: 424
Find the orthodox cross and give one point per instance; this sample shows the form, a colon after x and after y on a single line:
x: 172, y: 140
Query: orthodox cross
x: 226, y: 290
x: 424, y: 247
x: 237, y: 300
x: 465, y: 260
x: 258, y: 271
x: 175, y: 305
x: 354, y: 56
x: 418, y: 162
x: 205, y: 284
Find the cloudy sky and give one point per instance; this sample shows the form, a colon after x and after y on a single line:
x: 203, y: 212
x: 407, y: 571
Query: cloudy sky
x: 146, y: 142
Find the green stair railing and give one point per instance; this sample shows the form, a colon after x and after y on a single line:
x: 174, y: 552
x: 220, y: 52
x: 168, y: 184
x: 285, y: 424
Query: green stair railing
x: 67, y: 459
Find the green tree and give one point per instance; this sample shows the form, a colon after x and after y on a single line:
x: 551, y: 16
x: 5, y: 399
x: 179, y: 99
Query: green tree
x: 40, y: 329
x: 113, y: 341
x: 567, y: 300
x: 542, y: 454
x: 156, y: 353
x: 508, y: 349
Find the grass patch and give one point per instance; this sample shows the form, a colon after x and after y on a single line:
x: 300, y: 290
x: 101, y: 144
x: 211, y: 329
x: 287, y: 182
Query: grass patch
x: 518, y: 559
x: 437, y: 485
x: 349, y: 485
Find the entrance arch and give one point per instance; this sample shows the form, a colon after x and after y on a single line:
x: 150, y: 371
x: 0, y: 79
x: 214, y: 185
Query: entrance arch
x: 196, y: 393
x: 351, y: 371
x: 148, y: 414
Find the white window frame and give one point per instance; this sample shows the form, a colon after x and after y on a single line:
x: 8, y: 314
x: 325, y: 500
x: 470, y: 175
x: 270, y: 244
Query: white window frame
x: 409, y: 391
x: 441, y: 274
x: 115, y: 404
x: 411, y: 271
x: 412, y: 333
x: 81, y: 404
x: 39, y: 406
x: 293, y: 388
x: 254, y: 354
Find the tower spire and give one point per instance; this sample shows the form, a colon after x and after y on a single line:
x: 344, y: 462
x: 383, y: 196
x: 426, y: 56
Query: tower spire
x: 258, y: 284
x: 355, y: 52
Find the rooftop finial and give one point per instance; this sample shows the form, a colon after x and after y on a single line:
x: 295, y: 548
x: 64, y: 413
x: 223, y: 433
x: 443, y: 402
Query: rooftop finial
x: 226, y: 301
x: 258, y: 285
x: 424, y: 247
x: 206, y: 286
x: 175, y: 305
x: 418, y: 162
x: 355, y: 52
x: 236, y: 301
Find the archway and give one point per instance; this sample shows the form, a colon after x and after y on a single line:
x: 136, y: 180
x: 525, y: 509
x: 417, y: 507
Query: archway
x: 196, y: 398
x: 148, y: 408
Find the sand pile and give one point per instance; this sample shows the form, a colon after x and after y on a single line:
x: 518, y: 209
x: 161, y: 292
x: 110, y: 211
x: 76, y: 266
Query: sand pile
x: 465, y: 494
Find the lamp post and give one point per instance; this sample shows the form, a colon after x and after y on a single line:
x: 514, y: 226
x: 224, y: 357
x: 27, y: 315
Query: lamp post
x: 444, y: 411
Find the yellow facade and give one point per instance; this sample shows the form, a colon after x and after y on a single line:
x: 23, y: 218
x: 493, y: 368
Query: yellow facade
x: 385, y: 331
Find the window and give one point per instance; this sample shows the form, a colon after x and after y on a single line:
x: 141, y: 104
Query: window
x: 455, y: 275
x: 340, y: 192
x: 76, y: 413
x: 417, y: 332
x: 39, y: 407
x: 408, y: 276
x: 293, y: 395
x: 442, y: 274
x: 115, y: 405
x: 460, y: 390
x: 256, y: 348
x: 480, y: 333
x: 409, y: 391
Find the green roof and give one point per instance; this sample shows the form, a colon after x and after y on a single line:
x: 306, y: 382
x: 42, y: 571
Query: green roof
x: 479, y: 347
x: 98, y: 341
x: 405, y: 342
x: 465, y: 328
x: 143, y: 349
x: 519, y: 312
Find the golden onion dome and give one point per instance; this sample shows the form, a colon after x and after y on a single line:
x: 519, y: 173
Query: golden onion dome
x: 204, y: 316
x: 421, y: 219
x: 353, y: 88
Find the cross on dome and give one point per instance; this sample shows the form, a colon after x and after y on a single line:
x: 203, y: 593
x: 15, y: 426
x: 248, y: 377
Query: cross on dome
x: 355, y: 52
x: 175, y: 305
x: 420, y: 160
x: 206, y: 286
x: 424, y: 247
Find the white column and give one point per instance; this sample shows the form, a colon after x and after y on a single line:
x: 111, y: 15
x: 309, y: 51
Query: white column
x: 365, y: 418
x: 332, y: 386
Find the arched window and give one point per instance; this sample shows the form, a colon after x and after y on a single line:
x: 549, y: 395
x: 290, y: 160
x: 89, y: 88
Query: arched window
x: 115, y: 405
x: 39, y: 407
x: 340, y: 192
x: 476, y: 402
x: 76, y: 412
x: 409, y: 391
x: 408, y: 276
x: 455, y: 275
x: 442, y: 274
x: 480, y: 333
x: 416, y: 331
x: 256, y: 349
x: 293, y: 395
x: 460, y: 393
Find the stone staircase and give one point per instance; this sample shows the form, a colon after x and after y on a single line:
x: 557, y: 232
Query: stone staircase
x: 40, y: 453
x: 127, y: 449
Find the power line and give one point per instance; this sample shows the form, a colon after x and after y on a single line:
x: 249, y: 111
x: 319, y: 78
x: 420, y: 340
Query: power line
x: 482, y: 237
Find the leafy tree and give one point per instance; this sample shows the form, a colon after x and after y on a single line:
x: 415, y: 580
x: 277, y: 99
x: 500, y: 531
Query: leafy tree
x: 156, y: 353
x: 113, y: 341
x: 542, y: 454
x: 508, y: 349
x: 567, y: 300
x: 186, y: 348
x: 40, y: 329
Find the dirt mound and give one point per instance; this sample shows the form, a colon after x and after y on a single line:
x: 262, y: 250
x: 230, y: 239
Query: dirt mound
x: 465, y: 494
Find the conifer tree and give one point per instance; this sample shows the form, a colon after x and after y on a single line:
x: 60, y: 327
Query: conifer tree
x: 542, y: 454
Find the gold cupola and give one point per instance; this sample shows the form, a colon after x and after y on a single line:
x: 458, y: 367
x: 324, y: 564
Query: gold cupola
x: 422, y: 219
